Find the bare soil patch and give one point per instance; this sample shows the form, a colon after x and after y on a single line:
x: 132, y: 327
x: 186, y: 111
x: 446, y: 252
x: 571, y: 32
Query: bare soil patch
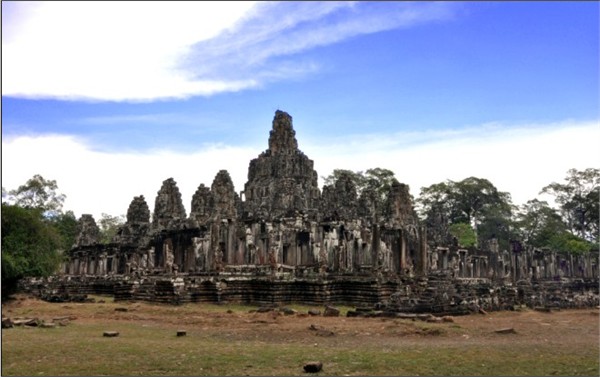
x: 566, y: 332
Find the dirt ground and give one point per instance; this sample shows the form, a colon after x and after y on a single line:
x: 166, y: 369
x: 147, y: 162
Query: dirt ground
x: 238, y: 340
x: 573, y: 327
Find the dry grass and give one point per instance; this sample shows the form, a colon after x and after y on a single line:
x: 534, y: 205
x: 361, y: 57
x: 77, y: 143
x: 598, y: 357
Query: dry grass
x: 229, y: 340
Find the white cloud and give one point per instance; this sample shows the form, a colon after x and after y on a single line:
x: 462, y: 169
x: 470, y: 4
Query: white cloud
x: 110, y: 50
x: 132, y: 51
x: 99, y: 182
x: 517, y: 159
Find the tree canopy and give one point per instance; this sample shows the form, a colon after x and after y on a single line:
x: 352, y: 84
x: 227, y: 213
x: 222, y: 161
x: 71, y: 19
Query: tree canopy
x: 108, y: 227
x: 473, y: 201
x: 579, y: 200
x: 39, y: 193
x: 35, y: 232
x: 375, y: 183
x: 30, y: 245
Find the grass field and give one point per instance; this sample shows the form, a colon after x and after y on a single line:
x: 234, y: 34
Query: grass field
x: 232, y: 340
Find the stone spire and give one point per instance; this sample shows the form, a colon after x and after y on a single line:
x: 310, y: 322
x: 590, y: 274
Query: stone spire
x: 224, y: 197
x: 399, y: 208
x: 168, y: 207
x: 88, y: 231
x: 201, y: 205
x: 135, y: 231
x: 138, y: 211
x: 281, y: 181
x: 282, y: 139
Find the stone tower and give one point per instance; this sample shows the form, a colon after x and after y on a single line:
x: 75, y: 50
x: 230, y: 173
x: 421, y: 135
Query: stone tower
x: 201, y: 205
x: 282, y: 181
x: 224, y: 198
x: 88, y: 231
x: 168, y: 208
x: 135, y: 231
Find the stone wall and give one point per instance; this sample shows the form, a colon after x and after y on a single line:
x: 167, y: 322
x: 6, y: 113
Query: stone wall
x: 437, y: 293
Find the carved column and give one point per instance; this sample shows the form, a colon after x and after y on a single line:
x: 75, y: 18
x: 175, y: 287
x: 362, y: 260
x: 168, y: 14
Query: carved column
x: 422, y: 258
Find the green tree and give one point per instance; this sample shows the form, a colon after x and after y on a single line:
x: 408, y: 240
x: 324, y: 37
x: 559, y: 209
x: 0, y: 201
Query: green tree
x: 30, y: 245
x: 570, y: 243
x: 375, y: 180
x: 474, y: 201
x: 579, y: 200
x: 464, y: 234
x: 537, y: 223
x: 108, y: 227
x: 357, y: 177
x: 380, y: 180
x: 40, y: 193
x: 66, y: 226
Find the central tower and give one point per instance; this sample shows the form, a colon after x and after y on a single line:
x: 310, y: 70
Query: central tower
x: 282, y: 181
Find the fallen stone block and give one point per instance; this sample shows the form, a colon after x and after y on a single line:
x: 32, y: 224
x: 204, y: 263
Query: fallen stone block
x: 33, y: 322
x: 434, y: 319
x: 314, y: 312
x: 111, y: 334
x: 331, y: 311
x: 447, y: 318
x: 6, y: 323
x: 288, y: 311
x: 181, y: 333
x: 313, y: 366
x: 509, y: 330
x: 48, y: 325
x: 121, y: 309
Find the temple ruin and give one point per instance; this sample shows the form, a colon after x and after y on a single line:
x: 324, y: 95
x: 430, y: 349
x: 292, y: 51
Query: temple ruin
x: 284, y: 240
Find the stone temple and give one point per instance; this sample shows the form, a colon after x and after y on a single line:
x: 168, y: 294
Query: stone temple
x: 284, y: 240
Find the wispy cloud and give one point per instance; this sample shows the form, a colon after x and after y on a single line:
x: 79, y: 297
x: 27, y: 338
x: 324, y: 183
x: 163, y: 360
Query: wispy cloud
x: 520, y: 159
x: 128, y: 51
x: 264, y: 46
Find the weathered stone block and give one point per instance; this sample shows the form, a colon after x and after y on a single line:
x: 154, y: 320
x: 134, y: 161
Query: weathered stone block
x: 331, y: 311
x: 313, y: 367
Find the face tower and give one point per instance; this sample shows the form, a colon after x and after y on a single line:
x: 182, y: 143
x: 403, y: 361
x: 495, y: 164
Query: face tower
x: 282, y: 181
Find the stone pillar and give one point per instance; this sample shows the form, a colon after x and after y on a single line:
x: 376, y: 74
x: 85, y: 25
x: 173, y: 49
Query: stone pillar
x: 102, y: 265
x: 500, y: 269
x: 403, y: 250
x: 375, y: 247
x: 515, y: 266
x: 422, y: 256
x: 462, y: 263
x: 445, y: 258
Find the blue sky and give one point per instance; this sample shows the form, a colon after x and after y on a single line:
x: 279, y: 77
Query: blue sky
x: 111, y: 98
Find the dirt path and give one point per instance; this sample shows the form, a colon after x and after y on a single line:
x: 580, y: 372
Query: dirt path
x: 574, y: 327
